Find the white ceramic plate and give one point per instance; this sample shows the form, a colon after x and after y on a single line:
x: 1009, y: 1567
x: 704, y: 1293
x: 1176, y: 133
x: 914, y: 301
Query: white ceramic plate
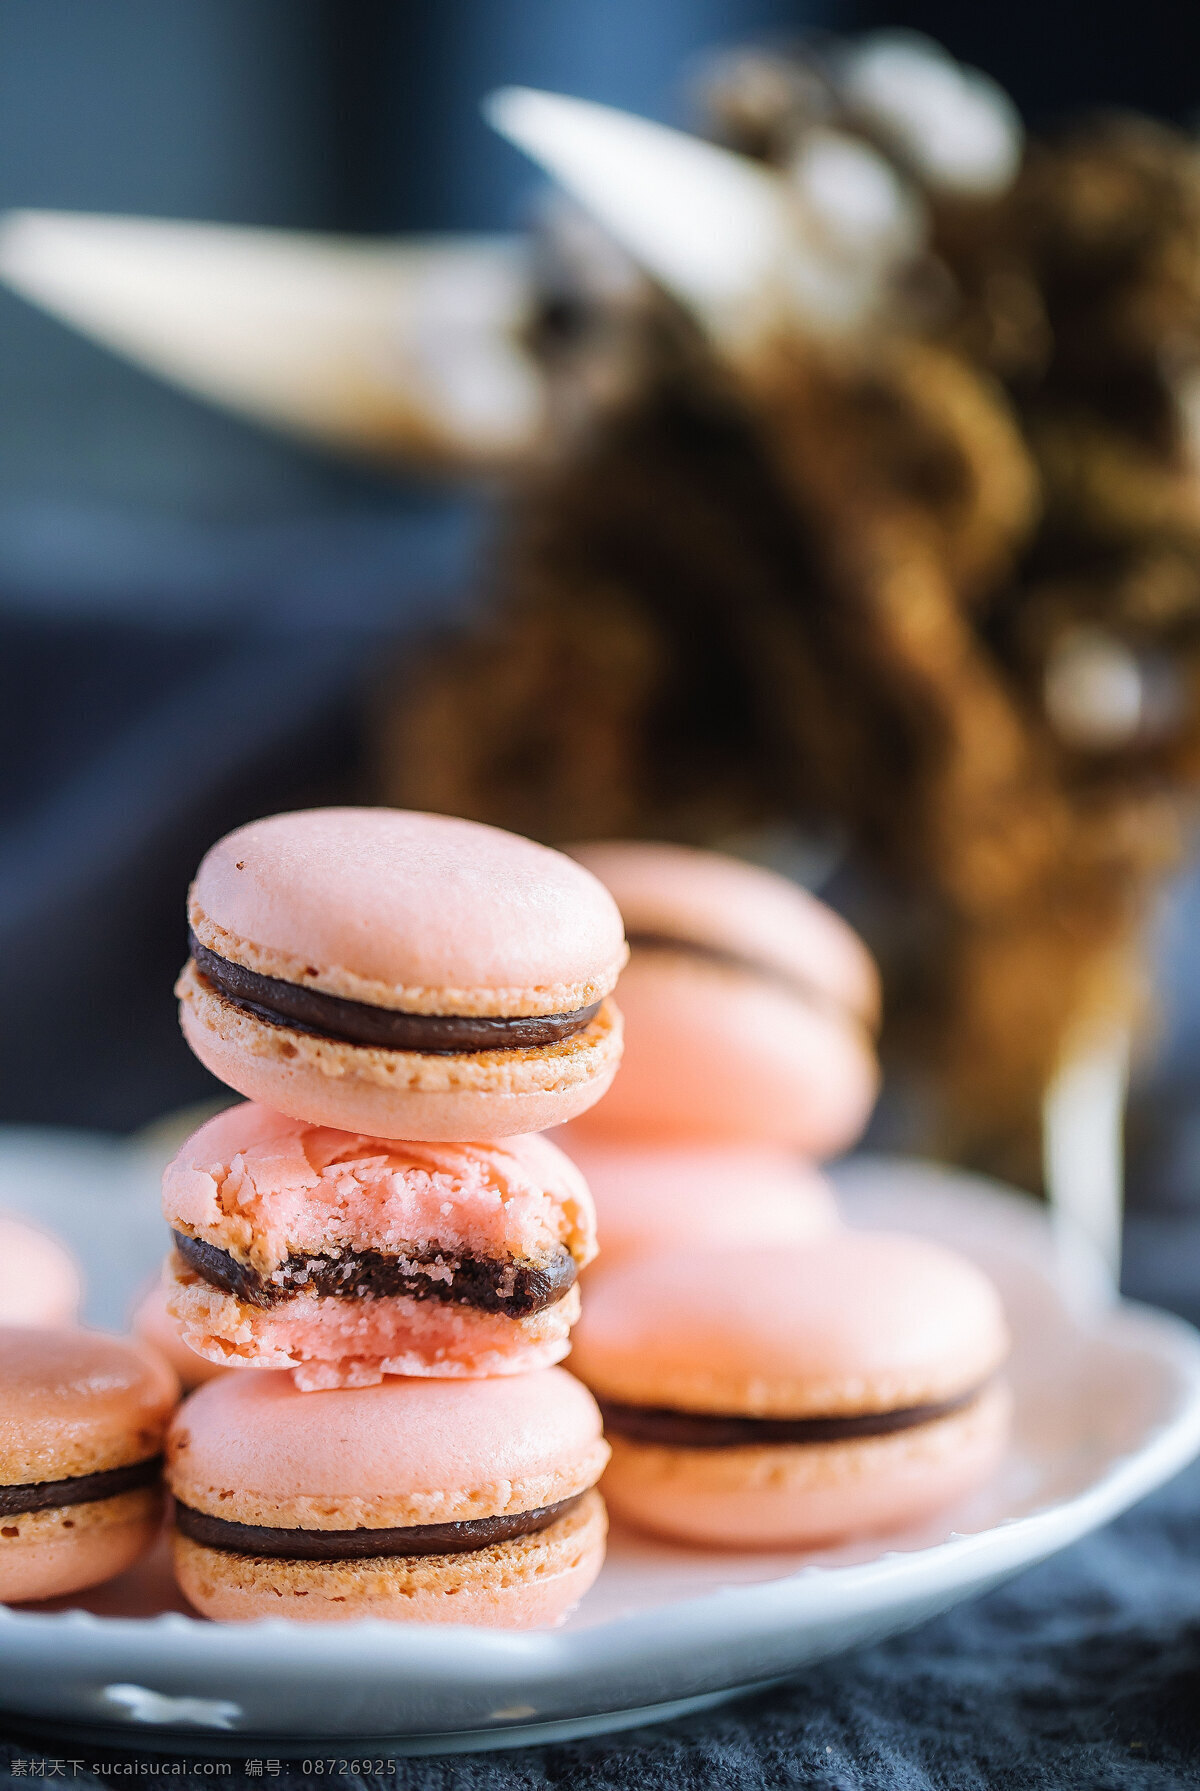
x: 1108, y: 1407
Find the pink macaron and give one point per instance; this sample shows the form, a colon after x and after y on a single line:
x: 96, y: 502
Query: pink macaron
x: 154, y: 1325
x: 650, y: 1197
x: 403, y: 975
x: 39, y: 1278
x: 424, y: 1501
x: 750, y: 1008
x: 82, y: 1421
x: 347, y: 1257
x: 798, y: 1396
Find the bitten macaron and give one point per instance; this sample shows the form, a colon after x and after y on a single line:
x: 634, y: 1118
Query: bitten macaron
x: 82, y: 1421
x: 422, y: 1500
x: 795, y: 1397
x: 653, y: 1197
x: 346, y: 1257
x: 39, y: 1278
x: 750, y: 1007
x: 404, y: 975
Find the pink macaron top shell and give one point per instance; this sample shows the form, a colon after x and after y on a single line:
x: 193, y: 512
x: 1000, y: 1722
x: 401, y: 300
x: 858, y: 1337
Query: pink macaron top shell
x: 423, y: 913
x: 431, y: 1443
x: 709, y: 899
x: 39, y: 1280
x: 254, y: 1181
x: 654, y: 1198
x: 76, y: 1402
x: 854, y: 1322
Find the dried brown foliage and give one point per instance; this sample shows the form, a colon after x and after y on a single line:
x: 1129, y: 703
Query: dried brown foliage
x: 829, y: 588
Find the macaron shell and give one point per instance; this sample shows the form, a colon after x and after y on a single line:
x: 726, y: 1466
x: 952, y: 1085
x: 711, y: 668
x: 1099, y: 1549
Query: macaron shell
x: 45, y: 1554
x: 650, y: 1197
x: 715, y: 1054
x: 251, y: 1449
x: 153, y: 1325
x: 532, y: 1582
x: 39, y: 1279
x: 809, y: 1494
x: 78, y: 1402
x: 854, y: 1322
x: 332, y: 1342
x: 423, y: 913
x: 723, y: 902
x: 457, y: 1097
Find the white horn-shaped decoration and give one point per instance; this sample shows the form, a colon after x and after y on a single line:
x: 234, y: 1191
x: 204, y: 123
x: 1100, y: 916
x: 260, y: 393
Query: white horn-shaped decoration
x: 392, y: 349
x: 956, y: 127
x: 713, y: 227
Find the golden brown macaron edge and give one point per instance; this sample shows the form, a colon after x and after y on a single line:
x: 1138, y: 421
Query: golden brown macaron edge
x: 532, y: 1492
x: 574, y: 1062
x: 706, y: 1391
x: 543, y: 1553
x: 501, y: 1001
x: 142, y: 1504
x: 224, y: 1322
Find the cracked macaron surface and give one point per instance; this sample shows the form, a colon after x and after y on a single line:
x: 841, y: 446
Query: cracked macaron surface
x: 750, y: 1007
x: 406, y: 975
x: 796, y: 1396
x: 346, y: 1257
x: 82, y: 1422
x: 432, y: 1501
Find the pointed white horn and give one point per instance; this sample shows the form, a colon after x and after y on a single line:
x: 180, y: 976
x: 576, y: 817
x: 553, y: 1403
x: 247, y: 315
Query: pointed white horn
x: 386, y: 348
x: 709, y: 225
x: 957, y: 128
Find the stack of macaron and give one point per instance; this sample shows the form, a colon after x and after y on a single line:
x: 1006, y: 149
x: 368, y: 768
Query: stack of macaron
x: 767, y: 1378
x: 376, y: 1256
x: 750, y: 1007
x: 750, y: 1014
x: 376, y: 1238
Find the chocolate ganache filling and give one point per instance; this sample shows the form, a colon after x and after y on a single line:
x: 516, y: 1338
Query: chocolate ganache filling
x: 515, y: 1288
x: 302, y: 1009
x: 720, y: 1430
x: 359, y: 1545
x: 82, y: 1489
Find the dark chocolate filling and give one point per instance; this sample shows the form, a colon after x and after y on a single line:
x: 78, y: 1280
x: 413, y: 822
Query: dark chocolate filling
x: 721, y: 1430
x: 515, y: 1288
x: 359, y: 1545
x: 302, y: 1009
x: 807, y: 990
x: 84, y: 1489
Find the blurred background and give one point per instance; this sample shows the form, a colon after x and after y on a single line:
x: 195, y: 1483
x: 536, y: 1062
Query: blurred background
x: 195, y: 613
